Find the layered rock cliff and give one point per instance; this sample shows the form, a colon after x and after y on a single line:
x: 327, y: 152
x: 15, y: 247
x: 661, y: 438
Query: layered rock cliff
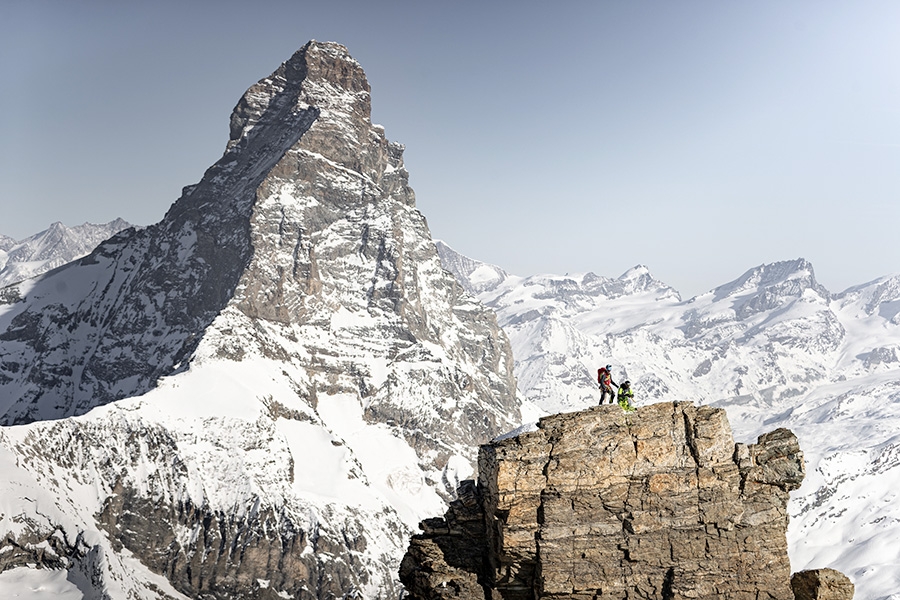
x: 773, y: 348
x: 660, y: 503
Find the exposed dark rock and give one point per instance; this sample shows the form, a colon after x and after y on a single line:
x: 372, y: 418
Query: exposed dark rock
x: 447, y: 559
x: 822, y: 584
x: 226, y: 555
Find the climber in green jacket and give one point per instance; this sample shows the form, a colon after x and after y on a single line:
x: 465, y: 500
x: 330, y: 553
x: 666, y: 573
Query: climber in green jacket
x: 626, y: 396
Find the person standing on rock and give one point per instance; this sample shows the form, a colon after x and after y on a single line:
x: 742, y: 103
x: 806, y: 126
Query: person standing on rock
x: 626, y: 396
x: 604, y: 378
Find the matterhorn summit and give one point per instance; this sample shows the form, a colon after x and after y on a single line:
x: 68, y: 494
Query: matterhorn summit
x: 260, y: 395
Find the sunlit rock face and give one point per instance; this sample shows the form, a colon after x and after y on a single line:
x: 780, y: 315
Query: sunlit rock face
x: 822, y: 584
x: 660, y: 503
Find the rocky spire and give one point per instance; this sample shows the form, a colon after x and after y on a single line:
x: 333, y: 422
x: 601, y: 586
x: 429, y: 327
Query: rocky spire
x: 308, y: 211
x: 291, y: 314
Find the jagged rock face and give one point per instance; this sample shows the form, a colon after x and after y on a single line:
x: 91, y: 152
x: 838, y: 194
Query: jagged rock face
x: 138, y: 481
x: 447, y: 559
x: 296, y: 379
x: 822, y: 584
x: 111, y: 324
x: 660, y: 503
x: 335, y: 232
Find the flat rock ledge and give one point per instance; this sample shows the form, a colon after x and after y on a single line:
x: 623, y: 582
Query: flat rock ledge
x: 602, y: 504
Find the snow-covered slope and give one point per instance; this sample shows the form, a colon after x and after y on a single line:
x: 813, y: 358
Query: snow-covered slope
x: 774, y: 348
x: 261, y: 395
x: 6, y: 243
x: 475, y: 276
x: 51, y: 248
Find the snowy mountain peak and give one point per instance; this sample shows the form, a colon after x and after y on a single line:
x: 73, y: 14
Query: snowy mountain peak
x: 6, y: 242
x: 273, y: 384
x: 880, y: 297
x: 639, y: 279
x: 635, y: 272
x: 785, y: 278
x: 51, y: 248
x: 304, y: 141
x: 475, y: 276
x: 319, y: 76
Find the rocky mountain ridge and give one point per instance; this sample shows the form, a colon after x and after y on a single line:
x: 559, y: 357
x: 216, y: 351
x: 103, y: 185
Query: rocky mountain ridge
x: 291, y: 305
x: 262, y: 394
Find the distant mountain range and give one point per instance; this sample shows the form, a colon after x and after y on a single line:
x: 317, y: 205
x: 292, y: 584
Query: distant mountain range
x: 51, y: 248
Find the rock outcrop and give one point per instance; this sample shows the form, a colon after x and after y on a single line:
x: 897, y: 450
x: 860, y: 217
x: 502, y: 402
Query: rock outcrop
x: 773, y: 347
x: 660, y: 503
x: 822, y: 584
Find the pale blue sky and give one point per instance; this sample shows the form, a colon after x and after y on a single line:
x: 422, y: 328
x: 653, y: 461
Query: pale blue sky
x: 698, y: 138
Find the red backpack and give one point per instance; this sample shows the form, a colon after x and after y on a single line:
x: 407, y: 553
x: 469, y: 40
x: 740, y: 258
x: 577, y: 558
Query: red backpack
x: 600, y: 373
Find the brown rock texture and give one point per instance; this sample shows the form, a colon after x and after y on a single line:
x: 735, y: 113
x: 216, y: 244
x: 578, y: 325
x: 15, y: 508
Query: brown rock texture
x: 446, y: 560
x: 822, y: 584
x: 602, y: 504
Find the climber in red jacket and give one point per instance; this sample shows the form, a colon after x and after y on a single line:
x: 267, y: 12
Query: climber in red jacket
x: 604, y: 378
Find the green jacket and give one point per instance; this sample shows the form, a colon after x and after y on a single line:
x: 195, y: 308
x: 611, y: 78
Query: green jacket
x: 625, y: 396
